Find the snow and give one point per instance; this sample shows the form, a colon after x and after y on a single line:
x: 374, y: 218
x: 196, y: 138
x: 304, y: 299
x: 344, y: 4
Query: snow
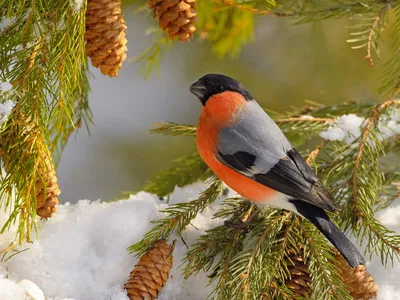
x: 5, y: 110
x: 76, y: 4
x: 25, y: 289
x: 387, y: 280
x: 390, y: 125
x: 7, y: 106
x: 347, y: 128
x: 81, y: 253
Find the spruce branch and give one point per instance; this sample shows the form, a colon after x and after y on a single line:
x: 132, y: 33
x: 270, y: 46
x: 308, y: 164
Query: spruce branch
x: 326, y: 282
x: 373, y: 33
x: 30, y: 176
x: 151, y: 57
x: 217, y: 247
x: 367, y: 30
x: 174, y: 129
x: 314, y: 153
x: 228, y: 29
x: 42, y: 56
x: 178, y: 216
x: 254, y: 10
x: 251, y: 268
x: 363, y: 144
x: 187, y: 169
x: 305, y: 119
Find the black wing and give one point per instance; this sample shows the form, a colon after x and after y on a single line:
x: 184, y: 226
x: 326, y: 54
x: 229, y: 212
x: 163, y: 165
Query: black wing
x: 291, y: 176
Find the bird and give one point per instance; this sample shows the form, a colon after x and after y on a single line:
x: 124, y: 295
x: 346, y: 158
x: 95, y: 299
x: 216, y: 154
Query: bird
x: 247, y: 150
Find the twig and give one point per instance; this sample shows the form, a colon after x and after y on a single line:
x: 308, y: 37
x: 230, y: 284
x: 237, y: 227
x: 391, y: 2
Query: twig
x: 373, y: 28
x: 368, y: 57
x: 314, y: 153
x: 303, y: 119
x: 11, y: 246
x: 264, y: 12
x: 371, y: 120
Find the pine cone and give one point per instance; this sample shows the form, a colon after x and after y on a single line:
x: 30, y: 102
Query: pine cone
x: 360, y: 284
x: 150, y: 273
x: 300, y: 281
x: 105, y: 35
x: 175, y: 16
x: 47, y: 188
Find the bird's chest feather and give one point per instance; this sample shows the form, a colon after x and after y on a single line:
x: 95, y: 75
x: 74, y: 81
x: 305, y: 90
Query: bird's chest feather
x: 207, y: 145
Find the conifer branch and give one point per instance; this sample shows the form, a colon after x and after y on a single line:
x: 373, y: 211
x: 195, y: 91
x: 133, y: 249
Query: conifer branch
x: 252, y: 9
x: 372, y: 33
x: 178, y: 216
x: 187, y: 169
x: 305, y: 120
x: 363, y: 143
x: 325, y: 280
x: 174, y: 129
x: 48, y: 72
x: 314, y: 153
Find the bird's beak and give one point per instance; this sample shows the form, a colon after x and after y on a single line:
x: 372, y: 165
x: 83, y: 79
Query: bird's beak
x: 198, y: 89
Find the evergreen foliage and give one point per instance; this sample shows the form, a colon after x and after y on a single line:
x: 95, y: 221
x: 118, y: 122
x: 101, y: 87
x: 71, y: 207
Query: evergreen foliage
x: 42, y: 56
x: 252, y: 263
x: 229, y: 25
x: 48, y: 72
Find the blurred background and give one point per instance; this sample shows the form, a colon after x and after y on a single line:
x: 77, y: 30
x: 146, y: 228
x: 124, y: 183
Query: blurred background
x: 284, y: 66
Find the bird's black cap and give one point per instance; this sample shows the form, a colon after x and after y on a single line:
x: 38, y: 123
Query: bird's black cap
x: 212, y: 84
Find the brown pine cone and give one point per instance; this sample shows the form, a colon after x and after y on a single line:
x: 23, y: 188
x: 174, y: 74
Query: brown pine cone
x: 105, y: 35
x: 150, y: 273
x: 360, y: 284
x: 300, y: 281
x: 47, y: 188
x: 175, y: 16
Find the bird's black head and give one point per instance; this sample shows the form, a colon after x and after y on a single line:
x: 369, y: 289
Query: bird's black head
x: 212, y: 84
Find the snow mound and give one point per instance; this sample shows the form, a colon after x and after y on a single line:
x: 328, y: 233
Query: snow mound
x: 81, y: 253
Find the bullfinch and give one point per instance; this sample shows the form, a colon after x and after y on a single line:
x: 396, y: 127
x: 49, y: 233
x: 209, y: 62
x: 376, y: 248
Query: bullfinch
x: 247, y: 150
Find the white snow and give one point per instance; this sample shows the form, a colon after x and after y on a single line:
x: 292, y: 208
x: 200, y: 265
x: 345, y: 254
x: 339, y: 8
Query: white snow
x: 76, y: 4
x: 81, y: 253
x: 5, y: 110
x: 347, y: 128
x: 25, y: 289
x: 390, y: 125
x: 388, y: 280
x: 5, y: 86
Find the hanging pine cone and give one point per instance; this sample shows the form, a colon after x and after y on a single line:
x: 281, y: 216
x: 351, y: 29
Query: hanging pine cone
x: 300, y: 281
x: 47, y: 188
x: 105, y: 35
x: 360, y: 284
x: 150, y: 273
x: 175, y: 16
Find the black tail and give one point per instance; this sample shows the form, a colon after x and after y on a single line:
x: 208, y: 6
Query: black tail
x: 320, y: 219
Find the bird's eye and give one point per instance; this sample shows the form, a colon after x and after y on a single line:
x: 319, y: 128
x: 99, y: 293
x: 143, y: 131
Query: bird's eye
x: 220, y: 88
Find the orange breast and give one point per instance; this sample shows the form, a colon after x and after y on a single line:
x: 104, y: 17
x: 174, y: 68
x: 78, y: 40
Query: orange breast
x: 214, y: 116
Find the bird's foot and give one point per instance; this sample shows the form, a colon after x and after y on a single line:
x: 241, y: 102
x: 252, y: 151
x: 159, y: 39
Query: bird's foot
x: 239, y: 223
